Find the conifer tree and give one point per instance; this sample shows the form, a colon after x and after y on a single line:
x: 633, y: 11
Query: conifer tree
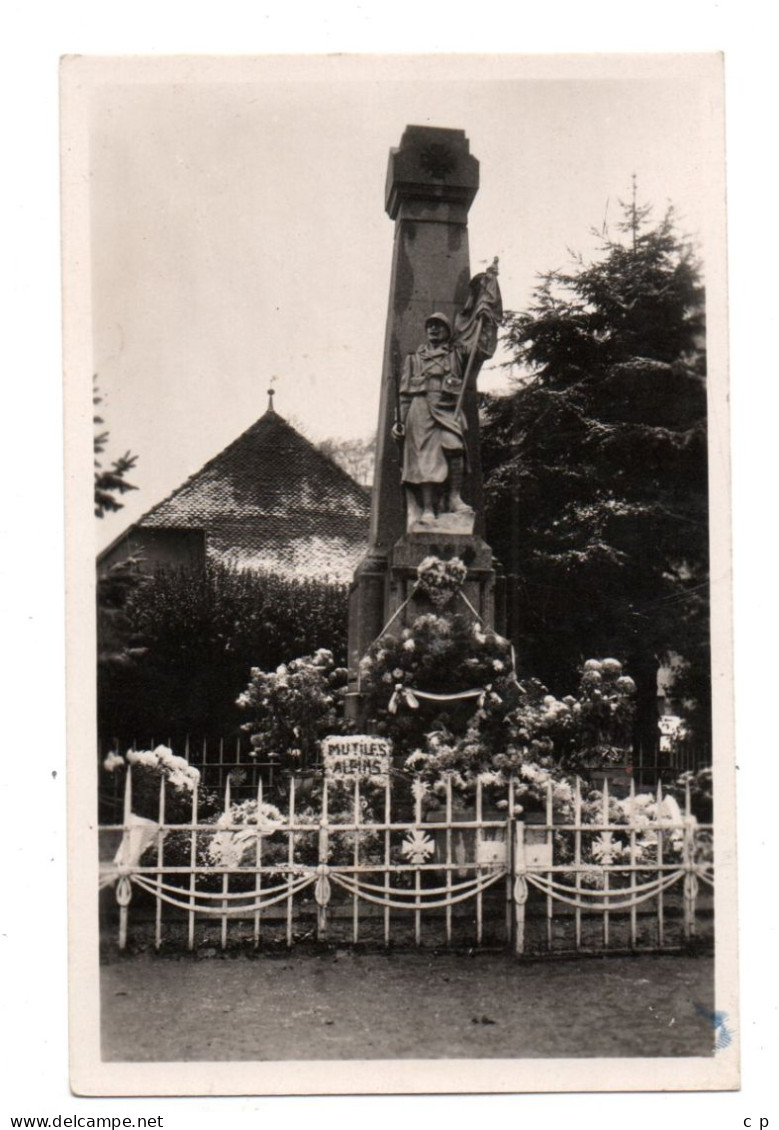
x: 111, y: 481
x: 596, y: 467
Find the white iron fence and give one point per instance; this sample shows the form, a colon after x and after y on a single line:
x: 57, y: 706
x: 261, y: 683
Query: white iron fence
x: 366, y: 863
x: 626, y: 876
x: 218, y: 759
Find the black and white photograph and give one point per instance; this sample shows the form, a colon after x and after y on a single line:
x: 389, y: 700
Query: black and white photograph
x: 398, y: 541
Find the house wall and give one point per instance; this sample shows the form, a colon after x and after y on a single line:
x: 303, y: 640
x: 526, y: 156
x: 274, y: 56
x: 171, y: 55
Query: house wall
x: 156, y: 547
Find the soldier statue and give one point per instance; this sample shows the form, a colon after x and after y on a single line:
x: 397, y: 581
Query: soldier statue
x: 430, y: 419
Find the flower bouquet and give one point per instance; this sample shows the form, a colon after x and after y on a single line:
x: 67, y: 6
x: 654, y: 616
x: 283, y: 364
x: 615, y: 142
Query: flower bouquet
x: 440, y: 580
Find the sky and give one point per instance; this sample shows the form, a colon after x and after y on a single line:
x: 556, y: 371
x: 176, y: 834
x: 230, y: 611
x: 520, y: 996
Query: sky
x: 238, y: 233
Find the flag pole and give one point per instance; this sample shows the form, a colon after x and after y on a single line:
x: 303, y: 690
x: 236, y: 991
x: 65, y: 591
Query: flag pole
x: 469, y: 369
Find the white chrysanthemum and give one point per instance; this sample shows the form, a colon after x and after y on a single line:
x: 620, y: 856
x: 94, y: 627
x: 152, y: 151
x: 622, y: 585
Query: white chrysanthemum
x: 562, y: 792
x: 534, y: 773
x: 179, y: 781
x: 419, y: 789
x: 143, y: 757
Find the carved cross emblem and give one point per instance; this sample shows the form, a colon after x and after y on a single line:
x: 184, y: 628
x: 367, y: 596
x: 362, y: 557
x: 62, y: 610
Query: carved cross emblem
x: 417, y: 846
x: 437, y: 160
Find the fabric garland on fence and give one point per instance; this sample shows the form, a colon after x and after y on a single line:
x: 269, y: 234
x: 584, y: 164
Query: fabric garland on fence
x: 408, y: 892
x: 397, y: 898
x: 191, y: 905
x: 233, y: 896
x: 650, y: 888
x: 413, y: 899
x: 548, y: 888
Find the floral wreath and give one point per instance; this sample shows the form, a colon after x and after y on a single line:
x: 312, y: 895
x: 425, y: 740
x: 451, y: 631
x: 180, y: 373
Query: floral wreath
x: 440, y: 580
x: 397, y: 668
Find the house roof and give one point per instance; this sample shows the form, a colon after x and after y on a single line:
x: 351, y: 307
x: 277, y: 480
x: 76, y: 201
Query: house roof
x: 271, y: 500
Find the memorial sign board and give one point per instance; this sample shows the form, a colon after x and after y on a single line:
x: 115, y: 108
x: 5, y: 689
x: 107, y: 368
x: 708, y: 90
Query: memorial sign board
x: 357, y: 757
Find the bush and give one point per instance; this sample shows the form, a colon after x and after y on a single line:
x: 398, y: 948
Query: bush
x: 295, y: 706
x: 700, y: 785
x: 149, y: 768
x: 202, y: 631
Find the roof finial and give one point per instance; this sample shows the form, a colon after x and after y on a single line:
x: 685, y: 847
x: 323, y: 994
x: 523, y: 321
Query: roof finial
x: 271, y: 394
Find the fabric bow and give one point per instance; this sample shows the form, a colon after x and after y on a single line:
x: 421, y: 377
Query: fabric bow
x: 402, y: 695
x: 488, y: 695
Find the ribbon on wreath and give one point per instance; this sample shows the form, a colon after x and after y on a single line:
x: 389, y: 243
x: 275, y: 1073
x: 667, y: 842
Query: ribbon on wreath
x: 403, y: 695
x: 488, y: 695
x: 410, y: 697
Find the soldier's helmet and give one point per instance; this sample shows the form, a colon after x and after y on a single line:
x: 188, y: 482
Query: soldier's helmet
x: 442, y: 319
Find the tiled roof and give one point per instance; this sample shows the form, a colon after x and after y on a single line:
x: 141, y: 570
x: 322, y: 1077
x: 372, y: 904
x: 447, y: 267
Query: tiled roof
x: 272, y: 501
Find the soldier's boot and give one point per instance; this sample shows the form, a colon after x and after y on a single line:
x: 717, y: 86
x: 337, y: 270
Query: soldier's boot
x: 456, y: 474
x: 427, y: 517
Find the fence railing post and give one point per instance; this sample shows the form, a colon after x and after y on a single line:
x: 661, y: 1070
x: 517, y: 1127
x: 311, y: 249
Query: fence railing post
x: 322, y: 885
x: 690, y: 877
x: 520, y: 887
x: 510, y: 818
x: 124, y: 891
x: 160, y: 864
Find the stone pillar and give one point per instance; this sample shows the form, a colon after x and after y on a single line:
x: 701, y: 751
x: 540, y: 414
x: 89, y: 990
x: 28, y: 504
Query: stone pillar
x: 432, y: 180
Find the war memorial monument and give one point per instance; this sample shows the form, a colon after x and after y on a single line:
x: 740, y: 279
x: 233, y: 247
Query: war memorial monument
x: 441, y: 326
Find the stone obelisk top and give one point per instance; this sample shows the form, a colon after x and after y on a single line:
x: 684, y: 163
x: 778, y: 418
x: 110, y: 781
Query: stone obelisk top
x: 432, y: 179
x: 431, y: 175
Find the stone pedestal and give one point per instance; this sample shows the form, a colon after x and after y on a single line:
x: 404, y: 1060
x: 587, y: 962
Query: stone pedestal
x: 367, y: 617
x: 478, y: 590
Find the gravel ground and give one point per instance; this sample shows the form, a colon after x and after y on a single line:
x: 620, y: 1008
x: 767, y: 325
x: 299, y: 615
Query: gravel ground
x: 351, y: 1005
